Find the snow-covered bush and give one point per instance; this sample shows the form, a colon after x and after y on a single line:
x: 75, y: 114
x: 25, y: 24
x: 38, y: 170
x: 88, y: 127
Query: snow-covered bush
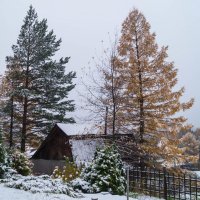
x: 42, y: 184
x: 3, y: 158
x: 9, y: 174
x: 106, y: 171
x: 83, y: 186
x: 68, y: 173
x: 21, y: 163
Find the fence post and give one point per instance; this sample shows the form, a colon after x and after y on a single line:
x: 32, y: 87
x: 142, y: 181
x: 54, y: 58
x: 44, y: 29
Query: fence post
x: 196, y: 191
x: 179, y: 187
x: 150, y: 181
x: 159, y: 184
x: 199, y: 159
x: 174, y: 184
x: 185, y: 189
x: 190, y: 178
x: 165, y: 183
x: 127, y: 187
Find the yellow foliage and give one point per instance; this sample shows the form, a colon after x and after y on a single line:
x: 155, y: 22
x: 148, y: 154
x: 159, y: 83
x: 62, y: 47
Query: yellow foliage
x: 68, y: 173
x: 139, y: 91
x: 150, y: 101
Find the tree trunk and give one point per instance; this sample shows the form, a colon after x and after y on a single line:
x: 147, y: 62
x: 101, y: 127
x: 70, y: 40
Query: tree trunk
x: 106, y: 121
x: 113, y: 95
x: 114, y: 119
x: 24, y: 123
x: 141, y: 110
x: 24, y: 120
x: 11, y: 122
x: 141, y: 100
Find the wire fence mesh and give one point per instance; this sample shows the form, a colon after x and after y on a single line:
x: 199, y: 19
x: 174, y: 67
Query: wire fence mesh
x: 163, y: 184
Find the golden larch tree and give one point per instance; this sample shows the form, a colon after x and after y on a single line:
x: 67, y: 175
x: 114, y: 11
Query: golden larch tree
x: 150, y: 100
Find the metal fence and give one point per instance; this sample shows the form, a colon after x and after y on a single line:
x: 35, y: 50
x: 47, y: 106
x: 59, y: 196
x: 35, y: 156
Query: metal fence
x: 163, y: 184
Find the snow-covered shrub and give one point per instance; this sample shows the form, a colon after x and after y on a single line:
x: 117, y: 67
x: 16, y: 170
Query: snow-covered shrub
x: 42, y: 184
x: 3, y: 158
x: 69, y: 172
x: 80, y: 185
x: 21, y: 163
x: 9, y: 174
x: 106, y: 171
x: 2, y: 153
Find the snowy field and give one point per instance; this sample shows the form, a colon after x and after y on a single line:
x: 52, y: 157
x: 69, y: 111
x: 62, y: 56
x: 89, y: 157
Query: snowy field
x: 15, y: 194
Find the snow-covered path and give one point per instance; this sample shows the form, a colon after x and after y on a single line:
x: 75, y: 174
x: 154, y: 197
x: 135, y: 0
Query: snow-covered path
x: 15, y: 194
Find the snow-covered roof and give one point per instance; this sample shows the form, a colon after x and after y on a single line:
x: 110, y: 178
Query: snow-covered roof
x: 78, y: 129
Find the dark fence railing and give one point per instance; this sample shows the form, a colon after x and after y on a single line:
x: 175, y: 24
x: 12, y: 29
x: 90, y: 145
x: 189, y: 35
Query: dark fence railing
x: 163, y: 184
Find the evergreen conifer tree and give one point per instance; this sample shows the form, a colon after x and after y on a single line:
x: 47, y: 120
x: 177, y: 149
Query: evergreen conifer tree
x: 42, y: 85
x: 106, y: 171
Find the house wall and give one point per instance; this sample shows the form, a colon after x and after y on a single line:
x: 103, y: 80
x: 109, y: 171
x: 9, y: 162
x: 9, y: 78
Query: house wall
x: 42, y: 166
x: 55, y: 148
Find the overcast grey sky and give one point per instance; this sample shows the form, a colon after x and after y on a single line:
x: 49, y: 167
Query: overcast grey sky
x: 82, y: 25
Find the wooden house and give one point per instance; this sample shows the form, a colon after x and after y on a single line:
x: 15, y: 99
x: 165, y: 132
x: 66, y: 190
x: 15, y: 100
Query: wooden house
x: 75, y: 141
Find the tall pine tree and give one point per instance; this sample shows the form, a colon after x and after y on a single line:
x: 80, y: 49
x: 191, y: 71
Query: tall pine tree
x: 42, y: 84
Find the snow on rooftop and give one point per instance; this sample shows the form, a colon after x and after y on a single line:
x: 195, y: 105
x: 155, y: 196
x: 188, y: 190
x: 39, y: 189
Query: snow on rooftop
x: 78, y: 129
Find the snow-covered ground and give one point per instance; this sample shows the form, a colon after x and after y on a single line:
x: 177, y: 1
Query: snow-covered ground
x: 15, y: 194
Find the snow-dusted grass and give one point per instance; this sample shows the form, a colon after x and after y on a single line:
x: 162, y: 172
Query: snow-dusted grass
x: 40, y: 184
x: 15, y: 194
x: 17, y: 187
